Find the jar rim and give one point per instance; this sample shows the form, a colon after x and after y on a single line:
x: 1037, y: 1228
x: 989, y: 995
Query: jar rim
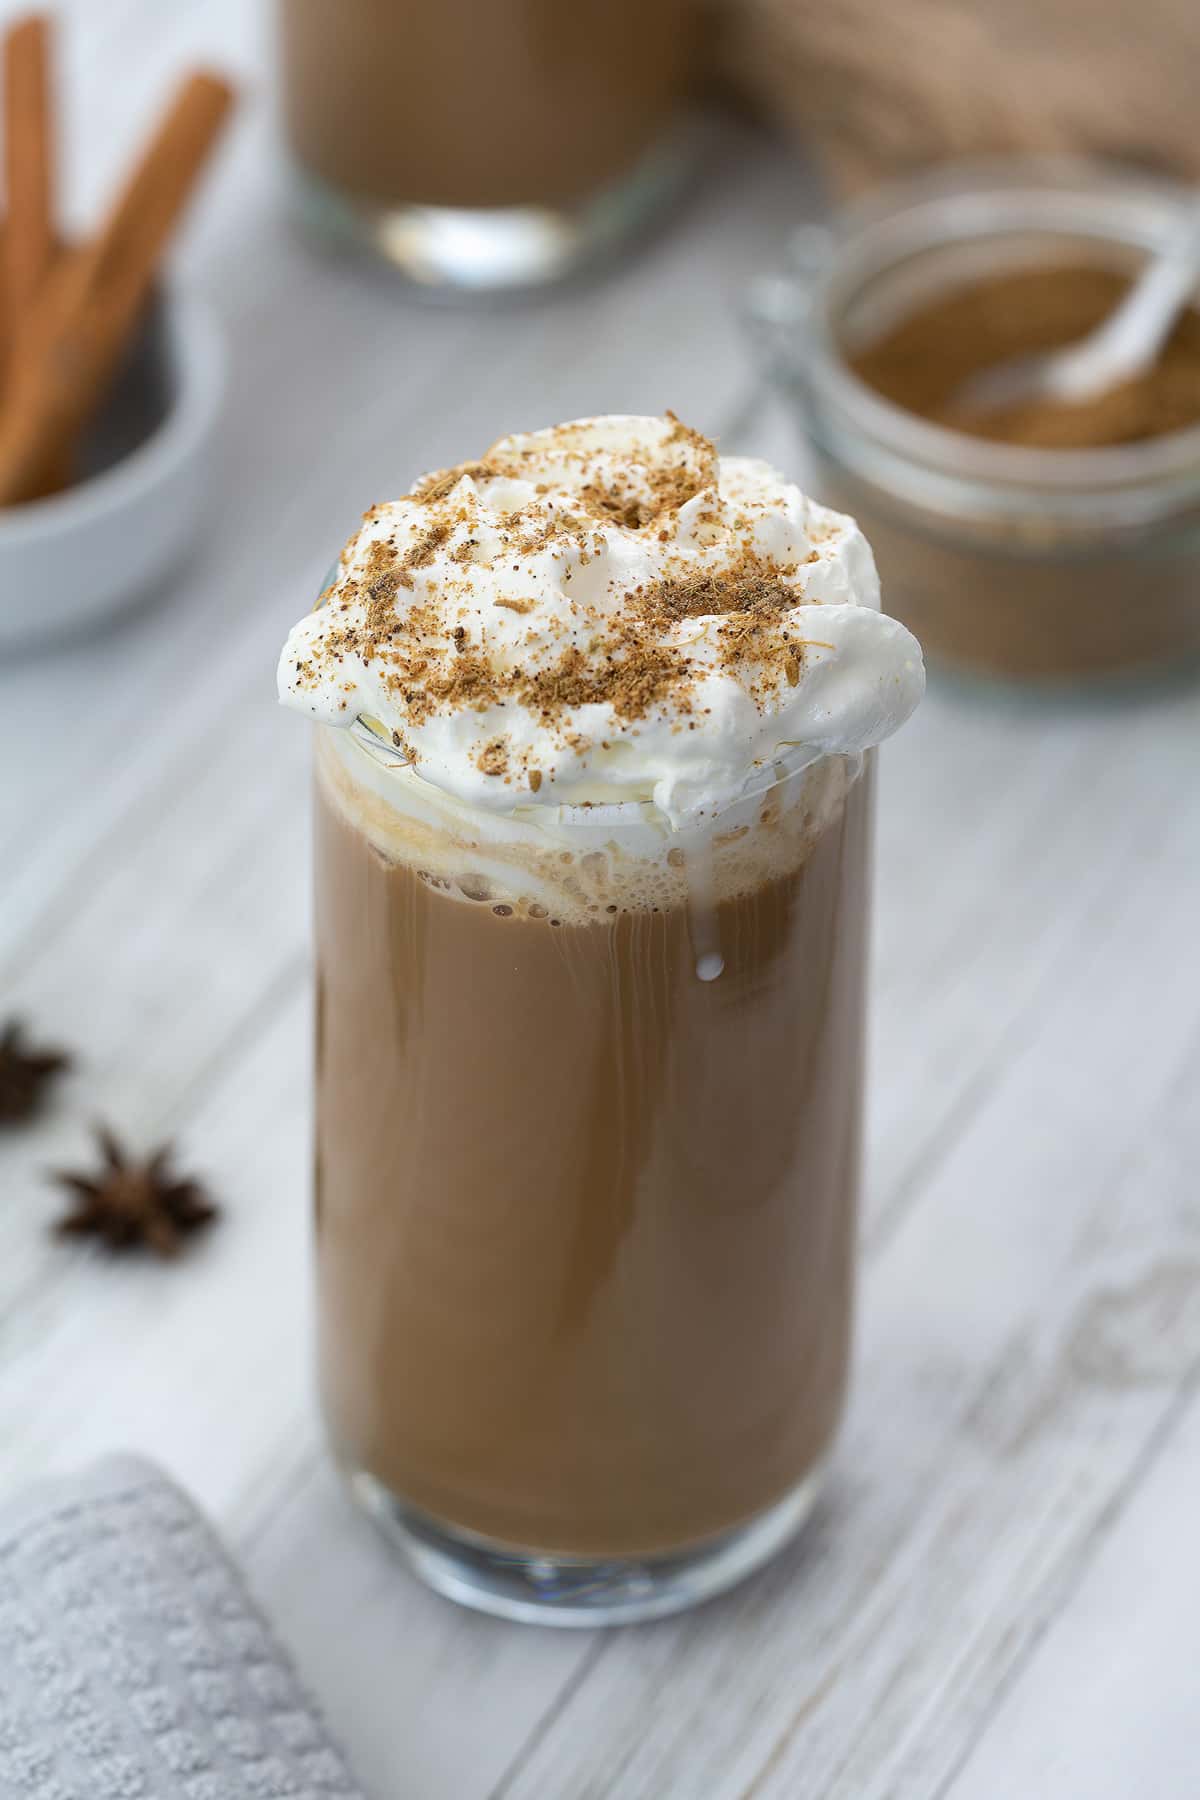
x: 971, y: 205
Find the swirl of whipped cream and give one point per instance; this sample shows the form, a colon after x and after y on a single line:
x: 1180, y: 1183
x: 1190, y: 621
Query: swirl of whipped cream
x: 605, y: 612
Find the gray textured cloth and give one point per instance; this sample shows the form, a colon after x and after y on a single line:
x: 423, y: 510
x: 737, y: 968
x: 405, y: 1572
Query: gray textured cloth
x: 133, y: 1664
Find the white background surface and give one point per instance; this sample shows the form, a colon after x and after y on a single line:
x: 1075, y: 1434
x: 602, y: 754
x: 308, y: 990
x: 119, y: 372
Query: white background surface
x: 999, y: 1597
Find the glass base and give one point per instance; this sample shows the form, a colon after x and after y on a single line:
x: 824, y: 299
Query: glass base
x: 447, y: 250
x: 568, y: 1590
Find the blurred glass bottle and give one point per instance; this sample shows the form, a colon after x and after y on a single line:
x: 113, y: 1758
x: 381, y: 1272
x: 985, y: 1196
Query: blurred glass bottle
x: 482, y: 144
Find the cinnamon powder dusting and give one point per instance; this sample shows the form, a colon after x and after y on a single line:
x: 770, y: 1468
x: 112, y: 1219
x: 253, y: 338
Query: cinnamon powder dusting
x: 633, y: 650
x: 493, y: 758
x: 630, y: 682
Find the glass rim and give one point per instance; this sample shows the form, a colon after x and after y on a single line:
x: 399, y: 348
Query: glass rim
x: 580, y: 815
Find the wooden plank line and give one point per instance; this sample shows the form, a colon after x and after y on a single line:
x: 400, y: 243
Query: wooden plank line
x: 887, y: 1218
x: 110, y: 846
x: 399, y: 1669
x: 223, y: 1060
x: 278, y: 1487
x: 1029, y: 1635
x: 602, y: 1643
x: 1108, y: 1707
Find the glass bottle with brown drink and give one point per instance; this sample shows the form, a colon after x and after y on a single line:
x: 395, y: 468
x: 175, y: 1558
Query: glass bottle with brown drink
x: 593, y: 790
x: 485, y: 143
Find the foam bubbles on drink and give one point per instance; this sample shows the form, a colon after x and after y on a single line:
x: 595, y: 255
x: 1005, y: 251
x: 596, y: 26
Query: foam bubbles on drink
x: 637, y: 867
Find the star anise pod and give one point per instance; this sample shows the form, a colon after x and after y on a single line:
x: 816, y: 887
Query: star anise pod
x: 24, y: 1073
x: 130, y: 1205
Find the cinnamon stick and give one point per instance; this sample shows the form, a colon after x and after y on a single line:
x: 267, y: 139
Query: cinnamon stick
x: 68, y: 352
x: 4, y: 331
x: 28, y: 164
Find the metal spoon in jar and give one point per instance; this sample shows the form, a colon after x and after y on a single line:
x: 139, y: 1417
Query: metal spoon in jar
x: 1123, y: 347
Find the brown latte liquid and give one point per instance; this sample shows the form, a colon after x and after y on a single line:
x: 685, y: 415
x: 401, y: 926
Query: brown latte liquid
x: 479, y: 103
x: 585, y: 1223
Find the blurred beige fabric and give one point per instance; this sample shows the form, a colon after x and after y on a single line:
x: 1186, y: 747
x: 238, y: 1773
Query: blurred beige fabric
x: 885, y: 86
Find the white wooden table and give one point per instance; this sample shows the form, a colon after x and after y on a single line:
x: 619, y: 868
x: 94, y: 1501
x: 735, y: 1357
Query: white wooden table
x: 1000, y: 1598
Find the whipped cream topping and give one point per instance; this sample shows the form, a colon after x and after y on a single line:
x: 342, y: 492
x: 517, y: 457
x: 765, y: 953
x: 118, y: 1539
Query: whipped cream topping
x: 606, y: 612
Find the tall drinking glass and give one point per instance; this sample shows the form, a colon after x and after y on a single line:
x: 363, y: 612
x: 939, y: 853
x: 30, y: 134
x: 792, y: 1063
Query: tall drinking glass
x: 585, y: 1219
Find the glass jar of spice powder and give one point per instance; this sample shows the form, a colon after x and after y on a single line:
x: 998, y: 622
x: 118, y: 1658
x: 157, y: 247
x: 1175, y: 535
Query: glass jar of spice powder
x: 1046, y: 547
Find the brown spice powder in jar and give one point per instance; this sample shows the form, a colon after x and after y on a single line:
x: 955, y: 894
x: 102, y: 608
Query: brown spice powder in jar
x: 922, y: 362
x: 1004, y: 596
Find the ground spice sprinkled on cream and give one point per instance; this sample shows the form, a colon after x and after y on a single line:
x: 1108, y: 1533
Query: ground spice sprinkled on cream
x: 606, y: 611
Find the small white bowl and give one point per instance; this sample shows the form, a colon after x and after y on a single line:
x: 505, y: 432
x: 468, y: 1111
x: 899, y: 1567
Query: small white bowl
x: 84, y: 555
